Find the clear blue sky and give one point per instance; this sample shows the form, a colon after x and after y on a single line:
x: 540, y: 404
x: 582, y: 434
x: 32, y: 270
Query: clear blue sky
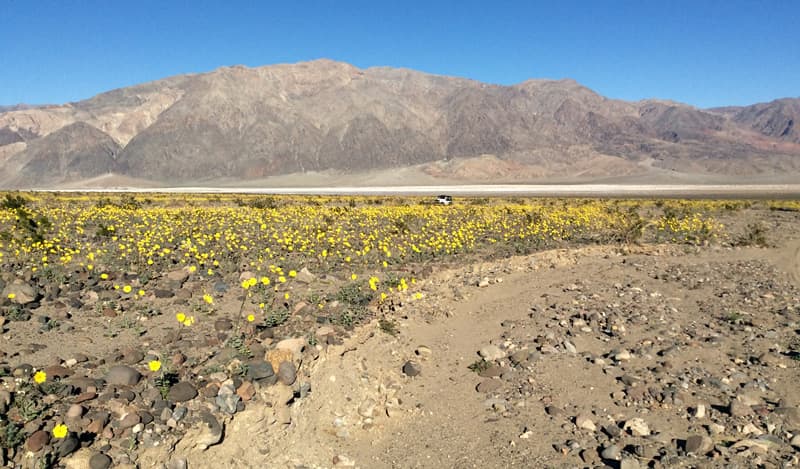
x: 702, y: 52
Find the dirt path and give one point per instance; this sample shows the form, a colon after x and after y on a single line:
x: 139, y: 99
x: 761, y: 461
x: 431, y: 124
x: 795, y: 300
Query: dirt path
x: 600, y: 335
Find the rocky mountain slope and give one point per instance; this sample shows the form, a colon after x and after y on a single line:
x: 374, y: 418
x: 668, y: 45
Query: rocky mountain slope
x: 239, y: 123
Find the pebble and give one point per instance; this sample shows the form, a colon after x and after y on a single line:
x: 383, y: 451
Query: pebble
x: 67, y: 446
x: 260, y: 370
x: 738, y: 408
x: 489, y: 385
x: 698, y: 444
x: 182, y: 392
x: 367, y: 408
x: 637, y: 427
x: 75, y: 411
x: 584, y: 422
x: 37, y: 440
x: 287, y: 373
x: 99, y: 461
x: 491, y: 353
x: 412, y: 368
x: 611, y: 453
x: 123, y: 375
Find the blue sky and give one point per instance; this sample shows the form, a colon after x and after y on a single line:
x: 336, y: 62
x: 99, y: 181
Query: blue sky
x: 702, y: 52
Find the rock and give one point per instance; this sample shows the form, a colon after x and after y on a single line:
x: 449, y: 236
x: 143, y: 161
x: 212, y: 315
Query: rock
x: 228, y: 403
x: 553, y: 411
x: 287, y: 373
x: 491, y: 372
x: 637, y: 427
x: 80, y: 459
x: 57, y: 372
x: 178, y: 276
x: 340, y: 460
x: 207, y: 432
x: 757, y: 445
x: 611, y: 453
x: 584, y: 422
x: 491, y: 353
x: 246, y: 391
x: 629, y: 463
x: 67, y: 446
x: 22, y: 293
x: 258, y: 370
x: 489, y: 385
x: 411, y: 368
x: 122, y: 375
x: 128, y: 420
x: 182, y: 392
x: 623, y: 355
x: 99, y: 461
x: 295, y: 345
x: 700, y: 411
x: 305, y: 276
x: 163, y: 293
x: 423, y: 352
x: 37, y: 440
x: 698, y: 444
x: 790, y: 415
x: 223, y: 325
x: 795, y: 441
x: 75, y: 411
x: 739, y: 409
x: 519, y: 357
x: 570, y: 347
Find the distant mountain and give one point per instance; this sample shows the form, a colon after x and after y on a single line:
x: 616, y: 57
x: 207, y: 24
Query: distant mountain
x: 239, y: 124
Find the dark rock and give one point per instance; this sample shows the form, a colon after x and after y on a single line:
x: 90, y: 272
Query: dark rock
x: 411, y: 368
x: 37, y: 440
x: 67, y: 446
x: 99, y: 461
x: 258, y: 370
x: 182, y: 392
x: 287, y: 373
x: 122, y: 375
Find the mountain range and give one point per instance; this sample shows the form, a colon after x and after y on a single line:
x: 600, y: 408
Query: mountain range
x: 321, y: 121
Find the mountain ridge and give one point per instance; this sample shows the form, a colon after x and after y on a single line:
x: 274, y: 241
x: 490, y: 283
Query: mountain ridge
x: 250, y: 123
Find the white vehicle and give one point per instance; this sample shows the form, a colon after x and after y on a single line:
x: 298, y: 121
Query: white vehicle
x: 444, y: 199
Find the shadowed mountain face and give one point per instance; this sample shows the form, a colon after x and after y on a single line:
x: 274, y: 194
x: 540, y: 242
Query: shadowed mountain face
x: 239, y: 123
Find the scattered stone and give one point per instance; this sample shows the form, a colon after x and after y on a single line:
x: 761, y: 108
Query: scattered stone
x: 123, y: 375
x: 584, y: 422
x: 698, y: 444
x: 67, y: 446
x: 259, y: 370
x: 737, y: 408
x: 182, y: 392
x: 637, y: 427
x: 287, y: 373
x: 100, y: 461
x: 37, y: 440
x: 611, y: 453
x: 491, y: 353
x: 629, y: 463
x: 411, y: 368
x: 489, y: 385
x: 246, y: 391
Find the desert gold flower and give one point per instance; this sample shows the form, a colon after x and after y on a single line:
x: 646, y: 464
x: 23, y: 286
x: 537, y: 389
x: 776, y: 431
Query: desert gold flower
x: 251, y: 318
x: 40, y: 377
x: 208, y: 299
x: 60, y: 431
x: 154, y: 365
x: 292, y: 273
x: 180, y: 317
x: 127, y: 289
x: 11, y: 296
x: 104, y: 276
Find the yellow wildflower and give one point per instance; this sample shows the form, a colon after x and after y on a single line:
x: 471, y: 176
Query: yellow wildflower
x: 60, y: 431
x: 154, y: 365
x: 40, y: 377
